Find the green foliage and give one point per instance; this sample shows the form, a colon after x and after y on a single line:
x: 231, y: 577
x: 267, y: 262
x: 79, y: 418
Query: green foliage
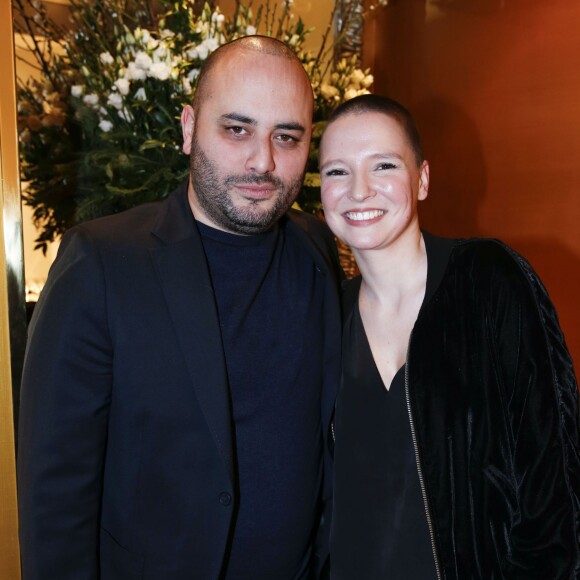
x: 99, y: 126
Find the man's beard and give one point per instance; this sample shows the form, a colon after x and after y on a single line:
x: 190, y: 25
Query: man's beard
x: 212, y: 192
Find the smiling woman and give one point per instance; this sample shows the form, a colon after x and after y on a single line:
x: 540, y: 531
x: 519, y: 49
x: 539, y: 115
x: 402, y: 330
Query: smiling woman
x: 450, y: 347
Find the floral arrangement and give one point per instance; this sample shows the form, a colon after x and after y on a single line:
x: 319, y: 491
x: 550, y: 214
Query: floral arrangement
x: 99, y: 128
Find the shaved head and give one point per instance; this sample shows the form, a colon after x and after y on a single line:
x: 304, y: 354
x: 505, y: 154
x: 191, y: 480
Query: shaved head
x: 264, y: 45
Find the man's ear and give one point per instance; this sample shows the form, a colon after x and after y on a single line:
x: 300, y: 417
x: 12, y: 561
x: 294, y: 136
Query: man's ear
x: 187, y: 126
x: 424, y: 181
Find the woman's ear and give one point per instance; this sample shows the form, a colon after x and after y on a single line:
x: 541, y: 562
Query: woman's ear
x: 424, y: 181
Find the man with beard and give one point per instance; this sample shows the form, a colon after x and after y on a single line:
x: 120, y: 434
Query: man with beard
x: 183, y: 359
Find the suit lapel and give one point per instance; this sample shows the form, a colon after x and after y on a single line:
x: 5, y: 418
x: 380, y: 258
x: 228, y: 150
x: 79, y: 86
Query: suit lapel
x: 183, y: 274
x: 332, y: 321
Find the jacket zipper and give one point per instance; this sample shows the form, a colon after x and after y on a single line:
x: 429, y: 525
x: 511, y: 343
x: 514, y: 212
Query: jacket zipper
x: 419, y: 470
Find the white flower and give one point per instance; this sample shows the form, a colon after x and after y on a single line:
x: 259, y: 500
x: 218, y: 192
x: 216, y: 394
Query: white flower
x: 141, y: 95
x: 126, y: 115
x: 143, y: 60
x: 294, y: 40
x: 160, y: 52
x: 193, y: 74
x: 142, y: 34
x: 191, y: 53
x: 106, y: 58
x: 211, y: 43
x: 350, y: 94
x: 91, y: 100
x: 76, y: 90
x: 105, y: 126
x: 134, y: 73
x: 219, y: 20
x: 202, y: 51
x: 368, y: 81
x: 160, y: 70
x: 152, y: 44
x: 250, y: 30
x: 328, y: 91
x: 115, y: 100
x: 186, y: 85
x: 175, y: 70
x: 357, y: 76
x: 207, y: 46
x: 123, y: 86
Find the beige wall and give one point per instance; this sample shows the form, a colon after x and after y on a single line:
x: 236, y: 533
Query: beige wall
x: 497, y: 96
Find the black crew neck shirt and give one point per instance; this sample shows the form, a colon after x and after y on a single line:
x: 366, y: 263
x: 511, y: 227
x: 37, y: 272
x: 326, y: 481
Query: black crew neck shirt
x: 269, y: 295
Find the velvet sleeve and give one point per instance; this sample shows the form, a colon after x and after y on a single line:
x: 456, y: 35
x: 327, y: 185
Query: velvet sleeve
x: 65, y: 399
x: 542, y: 396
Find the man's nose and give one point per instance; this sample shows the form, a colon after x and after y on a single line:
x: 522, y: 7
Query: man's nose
x: 261, y: 157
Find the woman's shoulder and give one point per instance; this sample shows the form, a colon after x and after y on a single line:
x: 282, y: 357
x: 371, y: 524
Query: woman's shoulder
x: 493, y: 267
x: 489, y: 254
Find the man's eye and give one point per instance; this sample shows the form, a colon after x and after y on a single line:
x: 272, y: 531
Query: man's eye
x: 236, y: 130
x: 287, y: 138
x: 385, y: 166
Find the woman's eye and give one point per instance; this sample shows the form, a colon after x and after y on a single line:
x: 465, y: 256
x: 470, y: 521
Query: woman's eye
x: 334, y: 172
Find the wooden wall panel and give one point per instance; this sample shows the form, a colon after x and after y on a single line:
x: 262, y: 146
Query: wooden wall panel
x: 496, y: 92
x: 11, y: 277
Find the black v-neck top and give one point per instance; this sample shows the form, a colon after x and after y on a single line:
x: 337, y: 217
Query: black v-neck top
x: 380, y: 527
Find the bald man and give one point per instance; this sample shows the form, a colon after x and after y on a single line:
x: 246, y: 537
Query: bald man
x: 183, y: 359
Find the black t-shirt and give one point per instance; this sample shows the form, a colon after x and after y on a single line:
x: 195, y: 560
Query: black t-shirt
x: 270, y: 295
x: 379, y: 528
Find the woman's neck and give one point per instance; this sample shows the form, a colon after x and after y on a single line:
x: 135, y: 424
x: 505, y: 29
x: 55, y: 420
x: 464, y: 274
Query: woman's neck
x: 395, y: 272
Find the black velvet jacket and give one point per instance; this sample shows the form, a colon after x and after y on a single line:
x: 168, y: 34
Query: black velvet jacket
x: 493, y: 405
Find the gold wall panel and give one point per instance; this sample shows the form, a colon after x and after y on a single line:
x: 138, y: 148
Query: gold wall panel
x: 11, y: 278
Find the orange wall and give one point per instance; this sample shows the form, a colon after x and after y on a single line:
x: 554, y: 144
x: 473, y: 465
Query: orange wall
x: 496, y: 93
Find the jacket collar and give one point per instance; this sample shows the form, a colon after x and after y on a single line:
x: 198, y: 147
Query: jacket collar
x: 184, y: 276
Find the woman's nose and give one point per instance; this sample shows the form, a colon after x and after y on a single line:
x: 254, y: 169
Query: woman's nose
x: 361, y: 189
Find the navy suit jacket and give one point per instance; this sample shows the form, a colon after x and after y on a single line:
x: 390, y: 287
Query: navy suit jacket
x: 126, y: 465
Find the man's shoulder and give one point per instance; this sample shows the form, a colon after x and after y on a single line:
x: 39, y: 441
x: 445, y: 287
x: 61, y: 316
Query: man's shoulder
x: 317, y: 234
x: 131, y: 221
x: 135, y: 226
x: 308, y: 222
x: 315, y: 228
